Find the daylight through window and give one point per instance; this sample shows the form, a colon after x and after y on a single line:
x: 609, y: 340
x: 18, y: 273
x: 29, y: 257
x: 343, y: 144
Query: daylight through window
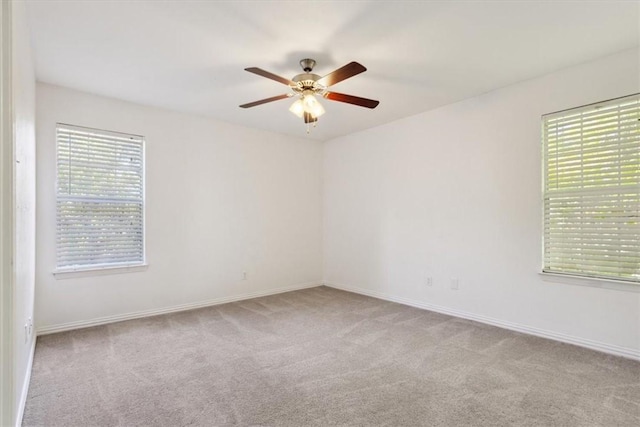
x: 592, y: 190
x: 100, y: 199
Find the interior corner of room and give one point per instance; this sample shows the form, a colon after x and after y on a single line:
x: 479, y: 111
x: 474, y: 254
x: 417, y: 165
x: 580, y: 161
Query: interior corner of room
x: 439, y: 209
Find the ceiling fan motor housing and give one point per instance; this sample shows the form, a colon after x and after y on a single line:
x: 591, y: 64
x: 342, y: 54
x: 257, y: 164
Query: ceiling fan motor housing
x: 307, y: 81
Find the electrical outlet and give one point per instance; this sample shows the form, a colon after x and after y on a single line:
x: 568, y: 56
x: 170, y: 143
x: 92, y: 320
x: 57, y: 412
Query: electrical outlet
x: 428, y: 281
x: 30, y: 326
x: 454, y: 283
x: 26, y: 333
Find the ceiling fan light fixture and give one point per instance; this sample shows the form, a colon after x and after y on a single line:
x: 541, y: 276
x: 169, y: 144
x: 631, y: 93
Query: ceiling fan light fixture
x: 297, y: 108
x: 307, y: 104
x: 312, y: 106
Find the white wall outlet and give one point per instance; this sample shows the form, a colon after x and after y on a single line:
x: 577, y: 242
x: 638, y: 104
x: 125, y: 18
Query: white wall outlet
x: 30, y: 322
x: 454, y: 283
x: 26, y: 333
x: 428, y: 281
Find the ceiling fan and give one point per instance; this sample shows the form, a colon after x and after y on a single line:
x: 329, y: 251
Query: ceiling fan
x: 307, y: 86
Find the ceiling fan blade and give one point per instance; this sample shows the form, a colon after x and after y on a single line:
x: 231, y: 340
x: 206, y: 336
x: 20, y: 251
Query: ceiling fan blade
x: 350, y: 99
x: 264, y: 101
x: 263, y: 73
x: 343, y: 73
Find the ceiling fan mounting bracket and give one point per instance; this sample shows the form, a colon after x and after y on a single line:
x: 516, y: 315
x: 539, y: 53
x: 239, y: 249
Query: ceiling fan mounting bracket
x: 307, y: 64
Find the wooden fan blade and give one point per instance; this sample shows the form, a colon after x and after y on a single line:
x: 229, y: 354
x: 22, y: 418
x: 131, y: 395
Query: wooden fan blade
x: 264, y: 101
x: 350, y: 99
x: 263, y: 73
x: 343, y: 73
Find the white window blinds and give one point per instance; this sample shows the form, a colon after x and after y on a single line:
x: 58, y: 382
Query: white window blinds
x: 592, y: 190
x: 99, y: 202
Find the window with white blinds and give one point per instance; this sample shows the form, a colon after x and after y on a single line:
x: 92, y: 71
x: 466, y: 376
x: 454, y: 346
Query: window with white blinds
x: 592, y: 190
x: 100, y: 199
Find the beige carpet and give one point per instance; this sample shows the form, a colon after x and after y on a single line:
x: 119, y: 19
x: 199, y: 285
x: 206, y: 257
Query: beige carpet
x: 322, y: 357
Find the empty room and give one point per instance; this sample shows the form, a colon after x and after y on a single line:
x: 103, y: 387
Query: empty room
x: 320, y: 213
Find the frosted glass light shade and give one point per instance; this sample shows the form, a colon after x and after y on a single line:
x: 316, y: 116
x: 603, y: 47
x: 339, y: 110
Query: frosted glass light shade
x: 297, y: 108
x: 307, y: 104
x: 312, y: 106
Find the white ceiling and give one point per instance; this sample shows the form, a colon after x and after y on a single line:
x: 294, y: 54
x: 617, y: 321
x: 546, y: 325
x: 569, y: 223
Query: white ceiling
x: 190, y: 55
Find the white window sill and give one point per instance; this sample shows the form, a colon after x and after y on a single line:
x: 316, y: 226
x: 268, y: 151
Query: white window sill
x: 618, y: 285
x: 99, y: 271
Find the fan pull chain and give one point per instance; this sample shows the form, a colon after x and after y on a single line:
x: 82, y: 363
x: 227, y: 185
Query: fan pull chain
x: 309, y: 126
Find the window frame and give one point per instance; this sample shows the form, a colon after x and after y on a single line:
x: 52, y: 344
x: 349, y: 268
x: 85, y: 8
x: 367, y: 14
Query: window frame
x: 569, y: 277
x: 111, y: 268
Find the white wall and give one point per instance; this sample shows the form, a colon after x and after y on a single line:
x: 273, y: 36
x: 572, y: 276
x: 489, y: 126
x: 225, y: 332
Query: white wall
x: 220, y: 200
x: 456, y: 192
x: 453, y: 192
x: 6, y: 219
x: 23, y: 92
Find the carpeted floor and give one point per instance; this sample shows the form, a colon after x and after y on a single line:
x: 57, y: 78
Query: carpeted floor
x: 322, y: 357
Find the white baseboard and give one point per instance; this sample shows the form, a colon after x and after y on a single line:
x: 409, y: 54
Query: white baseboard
x: 25, y: 385
x: 626, y: 352
x: 182, y: 307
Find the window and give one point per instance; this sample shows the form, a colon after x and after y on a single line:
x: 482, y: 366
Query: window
x: 99, y: 199
x: 592, y: 190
